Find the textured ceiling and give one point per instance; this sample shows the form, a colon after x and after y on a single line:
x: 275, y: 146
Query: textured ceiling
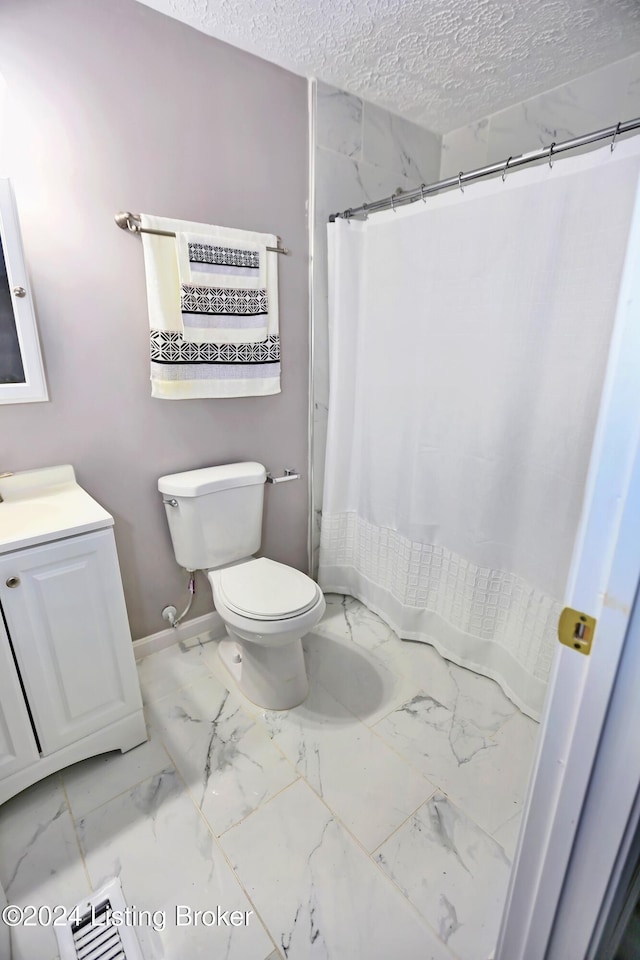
x: 441, y: 63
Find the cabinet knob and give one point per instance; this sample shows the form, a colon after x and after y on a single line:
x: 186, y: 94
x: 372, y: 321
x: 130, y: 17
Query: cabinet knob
x: 19, y: 292
x: 13, y: 582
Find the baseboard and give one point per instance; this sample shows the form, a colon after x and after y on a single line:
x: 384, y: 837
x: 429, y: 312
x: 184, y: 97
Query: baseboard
x: 210, y: 626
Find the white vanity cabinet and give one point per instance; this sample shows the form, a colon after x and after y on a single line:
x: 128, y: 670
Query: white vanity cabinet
x: 18, y: 747
x: 68, y: 682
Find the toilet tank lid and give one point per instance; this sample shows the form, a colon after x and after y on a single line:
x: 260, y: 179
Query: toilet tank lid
x: 195, y: 483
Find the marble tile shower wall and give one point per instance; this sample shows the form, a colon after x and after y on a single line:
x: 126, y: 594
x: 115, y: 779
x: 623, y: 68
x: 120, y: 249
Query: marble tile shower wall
x: 362, y: 153
x: 591, y: 102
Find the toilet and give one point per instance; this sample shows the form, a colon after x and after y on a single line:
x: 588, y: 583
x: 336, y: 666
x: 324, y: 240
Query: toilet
x: 215, y: 522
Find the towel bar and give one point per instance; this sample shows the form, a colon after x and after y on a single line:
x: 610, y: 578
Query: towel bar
x: 131, y: 221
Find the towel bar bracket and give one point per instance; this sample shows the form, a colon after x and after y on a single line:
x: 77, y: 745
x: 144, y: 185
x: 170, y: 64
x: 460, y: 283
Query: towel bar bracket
x: 289, y: 474
x: 131, y: 222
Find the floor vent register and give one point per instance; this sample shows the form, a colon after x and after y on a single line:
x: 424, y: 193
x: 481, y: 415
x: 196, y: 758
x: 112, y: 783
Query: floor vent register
x: 93, y: 935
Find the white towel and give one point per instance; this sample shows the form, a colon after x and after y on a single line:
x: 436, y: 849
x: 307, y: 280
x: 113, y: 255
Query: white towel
x: 226, y: 293
x: 183, y: 370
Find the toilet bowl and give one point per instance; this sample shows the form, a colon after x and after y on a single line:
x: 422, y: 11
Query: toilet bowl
x: 215, y: 522
x: 267, y: 608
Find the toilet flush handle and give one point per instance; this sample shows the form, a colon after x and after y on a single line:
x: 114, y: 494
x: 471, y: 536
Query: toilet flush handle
x: 289, y: 474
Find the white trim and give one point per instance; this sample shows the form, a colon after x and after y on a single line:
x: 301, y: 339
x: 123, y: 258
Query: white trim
x: 603, y: 579
x: 623, y: 891
x: 609, y: 807
x: 211, y: 625
x: 311, y: 97
x: 34, y: 387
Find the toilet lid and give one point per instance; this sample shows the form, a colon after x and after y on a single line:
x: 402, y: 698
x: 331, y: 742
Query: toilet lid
x: 266, y: 590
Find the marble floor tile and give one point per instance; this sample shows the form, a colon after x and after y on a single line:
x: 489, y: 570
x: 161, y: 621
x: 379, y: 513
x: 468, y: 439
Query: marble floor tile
x: 359, y: 659
x: 396, y: 670
x: 485, y: 771
x: 356, y: 678
x: 471, y: 697
x: 348, y: 619
x: 227, y: 760
x: 366, y: 784
x: 40, y: 862
x: 454, y: 873
x: 396, y: 751
x: 507, y: 834
x: 223, y: 676
x: 320, y: 896
x: 92, y: 782
x: 155, y: 840
x: 492, y: 788
x: 170, y: 669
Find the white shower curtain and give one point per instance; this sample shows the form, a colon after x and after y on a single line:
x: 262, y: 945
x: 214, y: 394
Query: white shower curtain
x: 469, y: 340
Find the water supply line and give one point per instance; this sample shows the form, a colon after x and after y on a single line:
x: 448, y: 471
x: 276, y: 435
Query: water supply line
x: 171, y: 617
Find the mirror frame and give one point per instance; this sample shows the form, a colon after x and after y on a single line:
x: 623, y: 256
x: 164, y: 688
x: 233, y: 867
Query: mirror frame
x: 34, y: 388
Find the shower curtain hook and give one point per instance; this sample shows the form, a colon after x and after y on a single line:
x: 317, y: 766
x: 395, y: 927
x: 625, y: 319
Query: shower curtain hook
x: 460, y: 181
x: 617, y: 131
x: 393, y: 202
x: 506, y: 167
x: 422, y: 186
x: 364, y: 210
x: 551, y: 154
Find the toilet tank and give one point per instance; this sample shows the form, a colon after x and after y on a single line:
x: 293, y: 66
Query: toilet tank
x: 214, y: 514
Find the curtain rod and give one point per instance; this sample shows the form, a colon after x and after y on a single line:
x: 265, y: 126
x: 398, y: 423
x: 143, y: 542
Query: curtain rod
x: 131, y: 221
x: 401, y: 199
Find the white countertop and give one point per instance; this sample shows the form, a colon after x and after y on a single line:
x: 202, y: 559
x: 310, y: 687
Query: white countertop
x: 48, y: 504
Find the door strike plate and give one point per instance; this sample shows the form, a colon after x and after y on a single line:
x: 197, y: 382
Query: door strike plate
x: 576, y: 630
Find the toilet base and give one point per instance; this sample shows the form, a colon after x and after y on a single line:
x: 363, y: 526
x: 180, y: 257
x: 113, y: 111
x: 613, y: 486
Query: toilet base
x: 271, y: 677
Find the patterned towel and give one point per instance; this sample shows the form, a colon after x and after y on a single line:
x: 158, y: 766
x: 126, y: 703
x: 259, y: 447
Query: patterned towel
x: 182, y: 369
x: 223, y: 286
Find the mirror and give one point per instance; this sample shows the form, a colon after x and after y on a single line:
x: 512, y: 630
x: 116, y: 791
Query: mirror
x: 21, y: 371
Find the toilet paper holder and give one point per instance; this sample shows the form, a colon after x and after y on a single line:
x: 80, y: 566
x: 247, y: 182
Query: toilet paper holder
x: 289, y: 474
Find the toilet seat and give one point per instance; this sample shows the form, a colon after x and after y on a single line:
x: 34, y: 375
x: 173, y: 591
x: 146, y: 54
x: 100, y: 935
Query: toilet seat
x: 263, y: 589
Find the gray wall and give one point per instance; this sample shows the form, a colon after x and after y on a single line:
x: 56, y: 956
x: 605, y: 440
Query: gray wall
x: 113, y: 106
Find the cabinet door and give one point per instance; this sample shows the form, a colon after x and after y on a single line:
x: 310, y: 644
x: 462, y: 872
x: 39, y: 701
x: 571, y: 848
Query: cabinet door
x: 68, y: 625
x: 18, y: 746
